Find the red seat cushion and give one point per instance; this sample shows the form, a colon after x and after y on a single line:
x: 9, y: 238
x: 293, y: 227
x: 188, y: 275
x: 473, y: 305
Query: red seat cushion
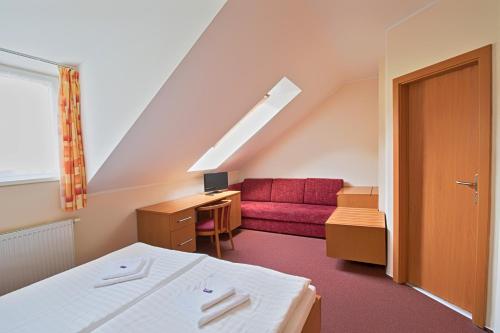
x: 205, y: 225
x: 288, y: 212
x: 322, y: 191
x: 282, y: 227
x: 288, y: 190
x: 256, y: 189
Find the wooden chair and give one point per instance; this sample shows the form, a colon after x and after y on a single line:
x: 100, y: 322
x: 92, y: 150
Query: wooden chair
x: 217, y: 223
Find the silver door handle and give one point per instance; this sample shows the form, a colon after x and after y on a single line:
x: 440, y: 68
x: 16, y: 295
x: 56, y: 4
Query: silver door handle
x: 473, y: 185
x: 184, y: 219
x: 461, y: 182
x: 469, y: 184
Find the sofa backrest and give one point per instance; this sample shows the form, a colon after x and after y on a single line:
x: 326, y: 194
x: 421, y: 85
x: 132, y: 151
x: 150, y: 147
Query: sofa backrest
x: 313, y: 191
x: 256, y: 189
x: 288, y: 190
x: 235, y: 187
x: 322, y: 191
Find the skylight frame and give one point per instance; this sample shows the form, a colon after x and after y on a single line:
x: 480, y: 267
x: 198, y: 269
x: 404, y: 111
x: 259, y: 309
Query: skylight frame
x: 252, y: 122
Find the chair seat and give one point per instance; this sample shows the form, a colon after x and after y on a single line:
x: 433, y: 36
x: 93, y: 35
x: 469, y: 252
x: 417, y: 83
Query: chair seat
x: 205, y: 225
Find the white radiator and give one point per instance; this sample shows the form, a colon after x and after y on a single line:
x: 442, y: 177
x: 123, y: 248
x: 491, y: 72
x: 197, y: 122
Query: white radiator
x: 33, y: 254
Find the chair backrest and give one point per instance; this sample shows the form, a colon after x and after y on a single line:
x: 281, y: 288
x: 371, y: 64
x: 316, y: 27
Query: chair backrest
x: 220, y: 212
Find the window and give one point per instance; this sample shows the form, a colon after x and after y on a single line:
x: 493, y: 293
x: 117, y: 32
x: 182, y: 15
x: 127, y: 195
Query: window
x: 28, y: 126
x: 274, y: 101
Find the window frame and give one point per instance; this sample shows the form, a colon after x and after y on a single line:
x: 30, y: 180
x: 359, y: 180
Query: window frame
x: 52, y: 81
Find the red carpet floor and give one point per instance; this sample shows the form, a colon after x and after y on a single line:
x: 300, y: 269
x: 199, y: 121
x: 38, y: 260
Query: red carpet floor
x: 356, y: 297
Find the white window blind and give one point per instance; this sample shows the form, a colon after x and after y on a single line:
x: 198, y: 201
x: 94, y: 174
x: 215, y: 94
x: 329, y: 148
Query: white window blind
x: 28, y: 126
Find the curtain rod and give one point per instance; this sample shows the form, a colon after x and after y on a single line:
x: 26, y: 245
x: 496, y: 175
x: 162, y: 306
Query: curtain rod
x: 36, y: 58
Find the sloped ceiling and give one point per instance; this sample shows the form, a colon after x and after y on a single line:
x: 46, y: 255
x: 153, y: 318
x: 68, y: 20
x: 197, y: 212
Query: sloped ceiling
x: 249, y: 47
x: 125, y: 51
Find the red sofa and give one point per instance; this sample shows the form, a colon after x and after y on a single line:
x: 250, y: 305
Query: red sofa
x: 289, y: 206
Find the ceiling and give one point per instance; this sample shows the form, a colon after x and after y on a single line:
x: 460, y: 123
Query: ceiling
x: 246, y: 50
x: 202, y: 85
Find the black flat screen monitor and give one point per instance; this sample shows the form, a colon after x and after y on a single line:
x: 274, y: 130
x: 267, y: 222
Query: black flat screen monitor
x: 215, y: 182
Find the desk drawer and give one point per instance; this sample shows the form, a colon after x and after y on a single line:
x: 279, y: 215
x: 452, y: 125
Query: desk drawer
x: 184, y: 239
x: 182, y: 219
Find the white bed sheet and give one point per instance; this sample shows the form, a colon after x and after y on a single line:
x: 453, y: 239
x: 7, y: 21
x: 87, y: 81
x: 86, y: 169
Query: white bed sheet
x: 68, y: 302
x: 299, y: 317
x: 274, y: 297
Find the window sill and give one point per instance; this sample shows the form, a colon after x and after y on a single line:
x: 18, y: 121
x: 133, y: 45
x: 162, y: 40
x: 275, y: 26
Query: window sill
x: 15, y: 182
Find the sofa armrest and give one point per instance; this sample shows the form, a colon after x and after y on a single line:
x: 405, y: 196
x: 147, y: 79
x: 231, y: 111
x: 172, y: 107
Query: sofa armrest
x: 235, y: 187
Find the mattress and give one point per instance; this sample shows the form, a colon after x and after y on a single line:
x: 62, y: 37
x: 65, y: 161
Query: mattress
x: 68, y: 302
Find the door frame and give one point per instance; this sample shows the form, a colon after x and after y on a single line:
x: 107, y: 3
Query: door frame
x: 481, y: 57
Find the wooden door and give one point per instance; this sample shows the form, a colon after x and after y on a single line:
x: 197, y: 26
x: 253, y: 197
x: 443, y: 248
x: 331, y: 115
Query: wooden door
x: 443, y: 148
x: 442, y: 132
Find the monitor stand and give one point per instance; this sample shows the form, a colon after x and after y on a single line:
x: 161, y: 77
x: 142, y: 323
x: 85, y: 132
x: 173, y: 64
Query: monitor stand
x: 214, y: 192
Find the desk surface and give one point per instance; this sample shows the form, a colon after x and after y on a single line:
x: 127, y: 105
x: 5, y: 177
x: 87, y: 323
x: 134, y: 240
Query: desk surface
x: 193, y: 201
x: 357, y: 217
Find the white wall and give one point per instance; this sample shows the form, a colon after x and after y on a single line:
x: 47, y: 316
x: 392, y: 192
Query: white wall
x: 381, y: 134
x: 338, y: 139
x: 447, y: 29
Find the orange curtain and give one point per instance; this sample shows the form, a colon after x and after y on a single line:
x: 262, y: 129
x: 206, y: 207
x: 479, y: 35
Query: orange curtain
x: 73, y: 178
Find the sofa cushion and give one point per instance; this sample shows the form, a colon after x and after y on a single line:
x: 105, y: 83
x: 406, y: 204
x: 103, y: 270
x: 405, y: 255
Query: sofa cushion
x: 288, y: 190
x: 289, y: 212
x: 322, y: 191
x: 256, y: 189
x: 291, y: 228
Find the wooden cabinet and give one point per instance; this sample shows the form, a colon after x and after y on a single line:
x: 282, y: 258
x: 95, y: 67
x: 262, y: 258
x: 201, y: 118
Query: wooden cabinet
x: 171, y: 224
x: 182, y: 219
x: 235, y: 214
x: 184, y: 239
x: 358, y: 196
x: 357, y: 234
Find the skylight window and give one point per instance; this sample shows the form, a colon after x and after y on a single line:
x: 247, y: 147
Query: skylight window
x: 272, y: 103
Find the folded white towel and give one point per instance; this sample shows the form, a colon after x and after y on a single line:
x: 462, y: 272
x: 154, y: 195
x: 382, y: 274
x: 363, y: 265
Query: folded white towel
x: 142, y: 274
x: 122, y: 268
x: 208, y: 298
x: 223, y: 308
x: 211, y: 292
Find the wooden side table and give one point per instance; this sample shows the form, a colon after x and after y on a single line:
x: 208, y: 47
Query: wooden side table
x: 358, y: 196
x: 357, y: 234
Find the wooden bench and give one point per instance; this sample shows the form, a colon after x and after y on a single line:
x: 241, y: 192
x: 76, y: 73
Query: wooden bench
x: 357, y: 234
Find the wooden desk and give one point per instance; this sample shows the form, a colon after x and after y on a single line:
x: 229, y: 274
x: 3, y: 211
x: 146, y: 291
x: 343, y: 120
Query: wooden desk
x: 358, y: 196
x: 171, y: 224
x: 356, y: 234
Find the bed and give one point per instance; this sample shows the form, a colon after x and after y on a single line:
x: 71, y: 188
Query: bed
x: 69, y: 301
